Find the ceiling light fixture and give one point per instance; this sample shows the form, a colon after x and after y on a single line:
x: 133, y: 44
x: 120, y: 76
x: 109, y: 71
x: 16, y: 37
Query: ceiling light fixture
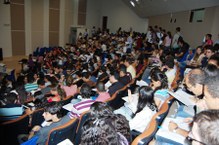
x: 132, y: 3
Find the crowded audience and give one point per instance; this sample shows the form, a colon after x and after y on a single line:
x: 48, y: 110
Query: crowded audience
x: 91, y: 71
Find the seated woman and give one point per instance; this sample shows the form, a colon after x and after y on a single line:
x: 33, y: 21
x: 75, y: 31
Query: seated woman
x: 159, y: 84
x: 140, y: 114
x: 57, y: 94
x: 85, y: 101
x: 70, y: 88
x: 197, y: 59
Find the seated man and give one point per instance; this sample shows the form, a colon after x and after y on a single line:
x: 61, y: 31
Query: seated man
x: 128, y: 63
x: 205, y: 128
x: 169, y: 69
x: 11, y: 109
x: 103, y: 95
x: 116, y: 85
x: 53, y: 118
x: 124, y: 77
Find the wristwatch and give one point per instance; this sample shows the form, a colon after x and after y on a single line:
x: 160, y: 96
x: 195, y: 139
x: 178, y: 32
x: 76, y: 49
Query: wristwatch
x: 175, y: 129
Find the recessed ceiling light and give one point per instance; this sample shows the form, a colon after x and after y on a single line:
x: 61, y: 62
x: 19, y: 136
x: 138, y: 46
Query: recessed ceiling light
x: 132, y: 3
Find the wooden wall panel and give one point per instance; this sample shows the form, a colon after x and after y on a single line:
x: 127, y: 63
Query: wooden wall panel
x: 17, y: 27
x: 55, y: 4
x: 54, y: 14
x: 54, y: 20
x: 17, y: 1
x: 53, y: 38
x: 82, y: 10
x: 18, y: 43
x: 17, y: 17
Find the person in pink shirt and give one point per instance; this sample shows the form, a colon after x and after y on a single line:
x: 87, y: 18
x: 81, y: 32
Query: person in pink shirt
x: 103, y: 95
x: 70, y: 89
x: 208, y: 40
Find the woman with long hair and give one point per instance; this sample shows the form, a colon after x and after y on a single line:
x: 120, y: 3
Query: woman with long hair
x: 159, y: 84
x: 146, y: 108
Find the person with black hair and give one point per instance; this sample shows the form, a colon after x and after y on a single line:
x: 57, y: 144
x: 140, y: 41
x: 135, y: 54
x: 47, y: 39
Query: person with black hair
x: 205, y: 128
x: 209, y: 51
x: 114, y: 80
x: 176, y: 37
x: 53, y: 117
x: 130, y: 69
x: 85, y: 101
x: 169, y: 69
x: 159, y: 84
x: 214, y: 60
x: 145, y: 109
x: 30, y: 85
x: 103, y: 95
x: 124, y: 78
x: 42, y: 88
x: 183, y: 49
x: 11, y: 108
x: 139, y: 109
x: 102, y: 113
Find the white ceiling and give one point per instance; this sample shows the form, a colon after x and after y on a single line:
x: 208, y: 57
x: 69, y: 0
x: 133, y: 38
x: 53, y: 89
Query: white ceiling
x: 147, y: 8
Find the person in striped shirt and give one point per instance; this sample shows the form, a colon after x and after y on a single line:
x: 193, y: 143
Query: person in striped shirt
x: 84, y: 104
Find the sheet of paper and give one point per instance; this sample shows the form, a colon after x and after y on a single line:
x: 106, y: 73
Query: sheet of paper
x: 108, y: 84
x: 68, y: 106
x: 165, y: 133
x: 65, y: 142
x: 183, y: 97
x: 141, y: 83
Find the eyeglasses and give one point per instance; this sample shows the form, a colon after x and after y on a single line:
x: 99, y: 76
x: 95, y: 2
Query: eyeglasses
x: 190, y: 139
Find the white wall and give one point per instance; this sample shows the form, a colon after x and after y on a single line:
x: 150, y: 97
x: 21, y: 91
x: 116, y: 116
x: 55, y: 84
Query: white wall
x: 93, y: 16
x: 5, y: 30
x: 118, y: 13
x: 194, y: 32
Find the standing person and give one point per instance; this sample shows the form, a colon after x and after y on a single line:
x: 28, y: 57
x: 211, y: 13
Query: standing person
x: 176, y: 37
x: 208, y: 40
